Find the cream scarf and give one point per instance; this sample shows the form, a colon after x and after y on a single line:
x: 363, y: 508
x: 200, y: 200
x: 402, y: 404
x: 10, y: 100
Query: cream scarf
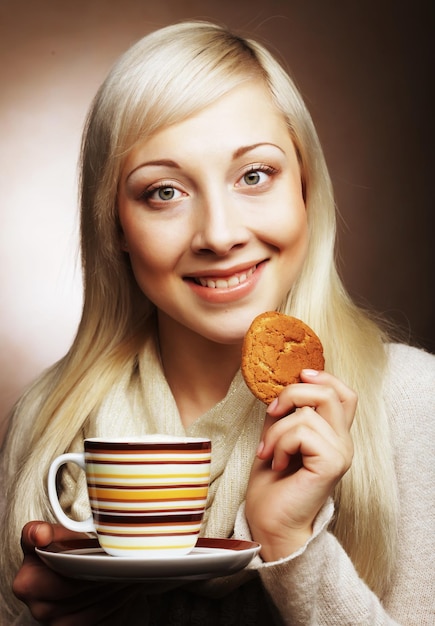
x: 142, y: 403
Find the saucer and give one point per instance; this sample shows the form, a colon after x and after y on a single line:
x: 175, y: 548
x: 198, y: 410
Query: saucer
x: 84, y: 559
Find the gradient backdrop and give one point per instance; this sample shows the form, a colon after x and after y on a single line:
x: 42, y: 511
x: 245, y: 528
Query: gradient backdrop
x: 366, y: 72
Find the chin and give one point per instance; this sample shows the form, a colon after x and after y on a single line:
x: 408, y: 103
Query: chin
x: 232, y: 330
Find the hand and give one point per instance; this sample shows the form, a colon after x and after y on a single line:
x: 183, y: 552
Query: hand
x: 58, y: 601
x: 305, y: 450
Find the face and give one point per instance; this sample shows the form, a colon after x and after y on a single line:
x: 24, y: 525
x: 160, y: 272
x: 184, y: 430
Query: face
x: 213, y: 216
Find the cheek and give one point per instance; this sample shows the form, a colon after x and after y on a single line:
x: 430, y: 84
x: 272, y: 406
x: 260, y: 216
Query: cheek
x: 147, y: 255
x: 148, y: 267
x: 289, y: 230
x: 153, y: 252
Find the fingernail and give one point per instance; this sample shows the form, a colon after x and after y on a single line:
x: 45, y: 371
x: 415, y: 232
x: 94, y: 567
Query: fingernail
x: 309, y: 372
x: 260, y: 448
x: 272, y: 406
x: 33, y: 535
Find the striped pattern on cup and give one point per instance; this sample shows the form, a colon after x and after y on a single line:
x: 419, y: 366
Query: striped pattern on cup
x: 148, y: 498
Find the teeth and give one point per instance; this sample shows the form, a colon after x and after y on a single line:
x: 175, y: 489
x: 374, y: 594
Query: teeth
x: 221, y: 283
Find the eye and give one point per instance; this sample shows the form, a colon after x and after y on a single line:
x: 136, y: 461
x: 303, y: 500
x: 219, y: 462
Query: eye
x: 161, y: 193
x: 257, y: 175
x: 164, y: 193
x: 252, y: 178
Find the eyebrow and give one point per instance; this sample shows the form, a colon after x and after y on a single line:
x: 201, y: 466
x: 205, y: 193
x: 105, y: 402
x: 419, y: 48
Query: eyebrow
x: 173, y: 164
x: 244, y: 149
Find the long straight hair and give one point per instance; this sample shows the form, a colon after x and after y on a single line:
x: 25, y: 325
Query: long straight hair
x: 166, y: 77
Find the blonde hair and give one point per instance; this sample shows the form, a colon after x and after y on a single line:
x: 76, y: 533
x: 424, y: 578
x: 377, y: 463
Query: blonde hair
x: 164, y: 78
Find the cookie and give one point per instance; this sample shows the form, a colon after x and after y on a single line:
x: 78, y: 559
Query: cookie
x: 275, y: 350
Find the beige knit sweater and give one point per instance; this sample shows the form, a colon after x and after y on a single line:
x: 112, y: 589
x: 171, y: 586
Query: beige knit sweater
x: 318, y: 584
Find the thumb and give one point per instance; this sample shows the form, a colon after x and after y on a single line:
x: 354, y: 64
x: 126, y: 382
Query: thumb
x: 37, y: 534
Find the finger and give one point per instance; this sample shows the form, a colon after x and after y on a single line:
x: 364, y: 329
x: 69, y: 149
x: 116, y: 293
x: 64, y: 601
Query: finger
x: 289, y: 441
x: 306, y: 446
x: 35, y: 534
x: 94, y: 607
x: 273, y: 429
x: 40, y: 534
x: 347, y: 397
x: 295, y: 425
x: 333, y: 400
x: 51, y: 596
x: 35, y: 582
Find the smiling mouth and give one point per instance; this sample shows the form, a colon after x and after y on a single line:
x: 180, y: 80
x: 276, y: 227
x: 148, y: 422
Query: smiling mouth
x: 225, y: 283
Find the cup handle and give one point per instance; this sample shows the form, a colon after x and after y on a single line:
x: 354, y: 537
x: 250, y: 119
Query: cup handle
x: 84, y: 526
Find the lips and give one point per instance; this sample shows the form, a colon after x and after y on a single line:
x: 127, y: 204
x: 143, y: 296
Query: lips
x: 226, y: 287
x: 225, y: 283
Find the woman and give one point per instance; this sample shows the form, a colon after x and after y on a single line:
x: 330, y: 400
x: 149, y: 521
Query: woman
x: 206, y: 201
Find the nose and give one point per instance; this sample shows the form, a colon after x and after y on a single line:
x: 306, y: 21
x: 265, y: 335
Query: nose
x: 219, y: 225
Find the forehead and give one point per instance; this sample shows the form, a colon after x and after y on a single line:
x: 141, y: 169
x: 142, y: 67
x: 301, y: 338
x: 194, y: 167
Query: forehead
x: 246, y: 115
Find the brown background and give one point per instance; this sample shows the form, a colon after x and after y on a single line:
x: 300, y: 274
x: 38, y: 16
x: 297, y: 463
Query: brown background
x: 366, y: 71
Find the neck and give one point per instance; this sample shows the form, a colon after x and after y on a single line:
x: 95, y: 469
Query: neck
x: 199, y: 372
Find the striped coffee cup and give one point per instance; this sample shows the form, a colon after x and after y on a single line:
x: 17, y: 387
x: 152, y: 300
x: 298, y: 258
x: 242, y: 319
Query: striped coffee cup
x: 147, y: 495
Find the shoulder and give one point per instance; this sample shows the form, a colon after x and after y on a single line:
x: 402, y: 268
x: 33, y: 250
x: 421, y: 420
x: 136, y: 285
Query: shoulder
x: 410, y: 366
x: 408, y: 359
x: 409, y: 388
